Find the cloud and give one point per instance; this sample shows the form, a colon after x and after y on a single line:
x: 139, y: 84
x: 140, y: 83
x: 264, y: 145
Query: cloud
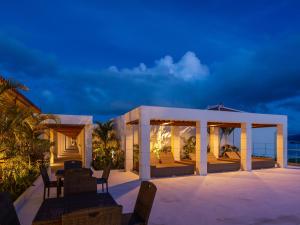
x: 262, y: 79
x: 21, y: 60
x: 188, y: 68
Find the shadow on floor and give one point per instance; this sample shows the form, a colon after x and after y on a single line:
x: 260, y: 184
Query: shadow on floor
x: 122, y: 189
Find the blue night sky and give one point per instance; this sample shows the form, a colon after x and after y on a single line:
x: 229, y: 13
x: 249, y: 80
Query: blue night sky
x: 105, y: 58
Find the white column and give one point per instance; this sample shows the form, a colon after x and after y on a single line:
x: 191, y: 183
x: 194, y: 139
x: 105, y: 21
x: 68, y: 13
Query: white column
x: 214, y: 141
x: 88, y: 141
x: 175, y: 142
x: 129, y: 147
x: 52, y: 148
x: 281, y: 144
x: 201, y: 148
x: 144, y: 141
x: 246, y: 146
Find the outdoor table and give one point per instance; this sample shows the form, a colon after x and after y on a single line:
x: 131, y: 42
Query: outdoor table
x: 52, y: 209
x: 59, y: 176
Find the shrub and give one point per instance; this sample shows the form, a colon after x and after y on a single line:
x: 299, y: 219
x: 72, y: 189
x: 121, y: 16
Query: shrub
x: 17, y: 175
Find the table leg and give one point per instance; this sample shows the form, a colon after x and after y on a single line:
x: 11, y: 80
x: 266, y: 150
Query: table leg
x: 59, y: 187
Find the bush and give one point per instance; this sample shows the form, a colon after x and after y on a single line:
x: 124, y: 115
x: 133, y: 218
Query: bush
x: 17, y: 175
x: 117, y: 161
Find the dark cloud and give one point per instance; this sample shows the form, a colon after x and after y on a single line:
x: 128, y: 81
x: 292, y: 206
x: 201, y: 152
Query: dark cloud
x: 251, y: 79
x: 18, y: 59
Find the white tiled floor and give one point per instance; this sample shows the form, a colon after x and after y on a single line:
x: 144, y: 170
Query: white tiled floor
x: 269, y: 197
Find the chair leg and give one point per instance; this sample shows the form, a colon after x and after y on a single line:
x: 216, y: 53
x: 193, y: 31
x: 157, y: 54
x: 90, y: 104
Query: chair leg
x: 102, y: 187
x: 48, y: 192
x: 107, y: 187
x: 44, y: 193
x: 57, y: 192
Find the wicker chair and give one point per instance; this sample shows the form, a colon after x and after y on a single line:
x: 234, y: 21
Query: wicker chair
x: 48, y: 183
x: 142, y: 207
x: 72, y: 164
x: 8, y: 215
x: 95, y: 216
x: 78, y: 181
x: 104, y: 179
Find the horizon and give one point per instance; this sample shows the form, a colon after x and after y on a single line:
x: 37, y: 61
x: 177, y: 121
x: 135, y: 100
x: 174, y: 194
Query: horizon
x: 104, y: 59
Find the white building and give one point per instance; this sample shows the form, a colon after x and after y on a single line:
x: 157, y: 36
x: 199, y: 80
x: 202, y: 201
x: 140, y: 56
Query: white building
x: 135, y: 128
x: 72, y: 138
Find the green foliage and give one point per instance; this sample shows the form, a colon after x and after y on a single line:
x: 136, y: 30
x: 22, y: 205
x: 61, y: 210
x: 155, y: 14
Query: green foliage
x: 17, y: 176
x: 106, y: 147
x: 189, y: 147
x: 22, y: 147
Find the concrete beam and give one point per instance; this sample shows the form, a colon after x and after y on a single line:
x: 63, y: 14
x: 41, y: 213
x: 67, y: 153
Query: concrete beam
x: 144, y: 141
x: 175, y: 142
x: 246, y: 146
x: 281, y: 145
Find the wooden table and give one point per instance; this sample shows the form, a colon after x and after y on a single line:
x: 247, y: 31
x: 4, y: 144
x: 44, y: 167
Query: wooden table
x: 52, y: 209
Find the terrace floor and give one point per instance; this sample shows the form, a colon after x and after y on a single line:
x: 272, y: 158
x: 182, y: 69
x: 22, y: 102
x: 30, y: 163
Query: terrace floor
x: 260, y: 197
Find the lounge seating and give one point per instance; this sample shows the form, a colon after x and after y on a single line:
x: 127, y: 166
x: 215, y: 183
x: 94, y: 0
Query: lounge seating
x: 48, y: 183
x: 8, y: 215
x: 215, y: 165
x: 72, y: 164
x: 143, y: 205
x: 232, y: 155
x: 95, y: 216
x: 168, y: 166
x: 257, y: 162
x: 78, y: 181
x: 104, y: 179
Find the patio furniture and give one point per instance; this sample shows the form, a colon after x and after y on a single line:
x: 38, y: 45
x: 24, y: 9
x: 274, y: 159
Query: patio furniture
x: 78, y: 181
x: 256, y: 162
x: 168, y: 166
x: 104, y: 179
x: 60, y: 174
x: 143, y: 205
x: 72, y: 164
x: 8, y: 215
x: 50, y: 184
x: 53, y: 209
x: 94, y: 216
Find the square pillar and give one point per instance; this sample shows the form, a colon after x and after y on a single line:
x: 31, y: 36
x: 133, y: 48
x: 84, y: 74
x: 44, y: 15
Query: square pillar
x: 175, y: 142
x: 281, y: 145
x: 214, y: 141
x: 201, y: 148
x: 144, y: 141
x: 246, y: 146
x: 88, y: 142
x: 52, y: 147
x: 129, y: 147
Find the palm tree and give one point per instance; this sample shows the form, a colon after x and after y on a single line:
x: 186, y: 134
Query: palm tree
x: 22, y: 142
x: 21, y: 129
x: 106, y: 138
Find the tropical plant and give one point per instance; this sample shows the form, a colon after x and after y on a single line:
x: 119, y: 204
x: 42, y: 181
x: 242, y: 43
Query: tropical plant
x: 189, y: 147
x: 160, y: 140
x: 106, y: 146
x: 22, y: 146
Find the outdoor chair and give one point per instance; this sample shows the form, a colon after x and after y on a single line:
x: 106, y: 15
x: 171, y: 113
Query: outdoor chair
x: 8, y: 215
x: 104, y: 179
x: 78, y: 181
x: 95, y: 216
x: 48, y: 183
x: 72, y: 164
x: 142, y: 207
